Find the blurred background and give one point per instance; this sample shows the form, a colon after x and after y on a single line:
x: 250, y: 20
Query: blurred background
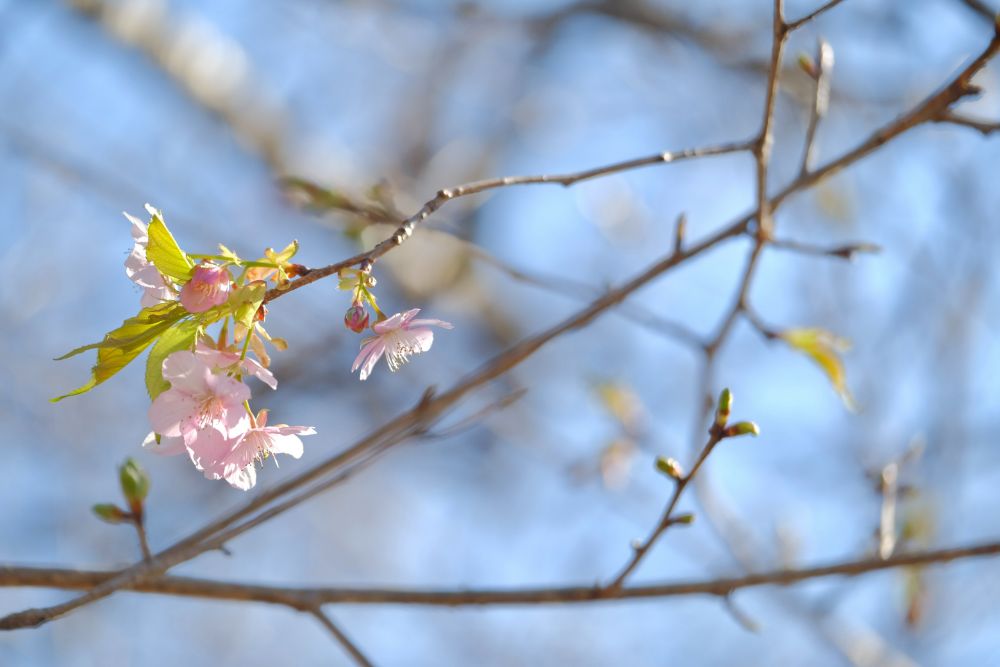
x: 201, y: 108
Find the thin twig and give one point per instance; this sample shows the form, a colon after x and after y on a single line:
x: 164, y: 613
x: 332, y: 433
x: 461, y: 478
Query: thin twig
x: 577, y: 289
x: 795, y: 25
x: 848, y: 252
x: 406, y: 228
x: 667, y: 518
x: 985, y: 127
x: 140, y: 529
x: 338, y: 634
x: 305, y: 599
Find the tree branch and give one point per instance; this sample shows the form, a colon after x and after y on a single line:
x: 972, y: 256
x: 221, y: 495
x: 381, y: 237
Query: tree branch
x: 795, y: 25
x: 406, y: 228
x: 341, y: 638
x: 306, y: 599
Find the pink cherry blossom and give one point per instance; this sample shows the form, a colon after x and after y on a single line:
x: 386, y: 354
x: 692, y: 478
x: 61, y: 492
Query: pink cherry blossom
x: 228, y: 359
x: 398, y: 338
x: 200, y: 407
x: 141, y: 271
x: 237, y: 463
x: 209, y: 287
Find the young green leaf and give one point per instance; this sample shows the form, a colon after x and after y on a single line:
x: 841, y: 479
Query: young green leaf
x: 124, y: 344
x: 229, y: 255
x: 286, y: 254
x: 163, y: 251
x: 179, y: 337
x: 823, y: 348
x: 246, y: 300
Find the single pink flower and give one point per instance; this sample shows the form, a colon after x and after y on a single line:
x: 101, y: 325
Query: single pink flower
x: 209, y: 287
x: 141, y: 271
x: 398, y: 338
x: 237, y: 464
x: 228, y: 360
x: 200, y: 405
x: 356, y: 318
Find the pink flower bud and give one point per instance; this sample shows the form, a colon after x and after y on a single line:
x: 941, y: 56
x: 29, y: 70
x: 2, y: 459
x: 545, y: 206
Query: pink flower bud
x: 208, y: 287
x: 356, y: 318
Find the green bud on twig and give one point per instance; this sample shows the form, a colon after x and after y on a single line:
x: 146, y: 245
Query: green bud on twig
x: 741, y: 428
x: 723, y: 408
x: 111, y: 513
x: 685, y: 519
x: 669, y: 467
x: 134, y: 482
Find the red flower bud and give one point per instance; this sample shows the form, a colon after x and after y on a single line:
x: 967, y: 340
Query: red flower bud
x: 356, y: 318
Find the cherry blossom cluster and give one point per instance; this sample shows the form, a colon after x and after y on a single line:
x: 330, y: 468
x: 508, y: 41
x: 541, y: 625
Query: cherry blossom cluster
x: 197, y: 381
x: 206, y: 411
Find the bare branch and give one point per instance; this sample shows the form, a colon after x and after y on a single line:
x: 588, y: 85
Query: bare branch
x: 795, y: 25
x: 406, y: 228
x: 341, y: 638
x: 306, y: 599
x: 848, y: 252
x: 983, y: 126
x: 667, y: 519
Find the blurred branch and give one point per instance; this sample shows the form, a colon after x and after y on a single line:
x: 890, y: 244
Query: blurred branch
x: 207, y: 66
x: 307, y: 599
x: 848, y: 252
x: 795, y: 25
x: 406, y: 228
x: 580, y: 290
x: 983, y: 126
x: 980, y: 7
x: 341, y: 638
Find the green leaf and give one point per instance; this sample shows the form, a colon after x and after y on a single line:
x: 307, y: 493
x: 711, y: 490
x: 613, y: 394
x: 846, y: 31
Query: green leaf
x: 286, y: 254
x: 823, y: 348
x: 246, y: 300
x: 163, y: 251
x: 179, y: 337
x: 124, y: 344
x: 229, y: 255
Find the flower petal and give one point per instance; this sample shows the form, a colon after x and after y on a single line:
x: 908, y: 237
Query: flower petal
x: 374, y: 352
x: 170, y: 410
x: 431, y: 323
x: 394, y: 322
x: 186, y: 373
x: 209, y: 448
x: 167, y: 446
x: 253, y: 367
x: 286, y: 444
x: 244, y: 479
